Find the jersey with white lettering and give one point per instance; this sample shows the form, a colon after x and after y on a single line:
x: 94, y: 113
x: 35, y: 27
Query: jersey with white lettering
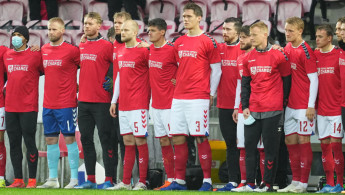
x: 194, y: 55
x: 163, y: 66
x: 95, y: 59
x: 135, y: 89
x: 266, y: 69
x: 228, y: 81
x: 342, y: 76
x: 3, y: 50
x: 23, y: 71
x: 303, y: 62
x: 60, y: 68
x: 329, y: 96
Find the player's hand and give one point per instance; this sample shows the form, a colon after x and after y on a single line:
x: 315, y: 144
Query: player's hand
x: 108, y: 84
x: 235, y: 115
x: 310, y: 113
x: 211, y: 100
x: 173, y: 81
x: 246, y: 113
x: 143, y: 44
x: 277, y: 47
x: 83, y: 39
x: 35, y: 48
x: 112, y: 110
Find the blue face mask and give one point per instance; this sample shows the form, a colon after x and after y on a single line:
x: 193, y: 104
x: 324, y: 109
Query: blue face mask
x: 17, y: 42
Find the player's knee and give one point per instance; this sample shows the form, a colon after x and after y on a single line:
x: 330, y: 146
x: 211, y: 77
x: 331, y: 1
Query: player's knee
x: 129, y: 139
x: 303, y: 139
x: 164, y: 141
x: 178, y: 140
x: 69, y: 139
x: 2, y: 133
x: 51, y: 140
x: 201, y: 139
x: 291, y: 139
x: 140, y: 141
x: 333, y: 140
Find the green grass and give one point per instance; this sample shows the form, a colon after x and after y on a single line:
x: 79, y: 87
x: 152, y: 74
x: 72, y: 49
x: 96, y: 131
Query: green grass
x: 101, y: 192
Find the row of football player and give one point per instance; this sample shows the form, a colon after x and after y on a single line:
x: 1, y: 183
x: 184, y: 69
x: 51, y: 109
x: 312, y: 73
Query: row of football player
x: 133, y: 118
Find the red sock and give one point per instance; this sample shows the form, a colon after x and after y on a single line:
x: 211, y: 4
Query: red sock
x: 128, y: 164
x: 338, y: 161
x: 243, y: 164
x: 2, y: 158
x: 262, y: 163
x: 168, y: 160
x: 108, y: 179
x: 181, y: 158
x: 306, y: 160
x: 328, y: 163
x: 205, y: 158
x: 143, y: 162
x: 294, y: 156
x: 91, y: 178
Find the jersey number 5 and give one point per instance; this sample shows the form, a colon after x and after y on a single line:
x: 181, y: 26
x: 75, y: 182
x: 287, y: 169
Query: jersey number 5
x: 136, y: 127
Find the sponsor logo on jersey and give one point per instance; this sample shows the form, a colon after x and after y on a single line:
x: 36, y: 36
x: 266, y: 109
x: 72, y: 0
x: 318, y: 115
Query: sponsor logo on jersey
x: 341, y: 61
x: 12, y: 68
x: 325, y: 70
x: 229, y: 63
x: 154, y: 64
x: 185, y: 53
x: 92, y: 57
x: 126, y: 64
x: 47, y: 63
x: 257, y: 69
x: 293, y: 66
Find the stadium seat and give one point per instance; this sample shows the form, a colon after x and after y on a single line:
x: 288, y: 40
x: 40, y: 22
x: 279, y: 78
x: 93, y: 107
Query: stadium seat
x: 218, y: 37
x: 162, y: 9
x: 141, y: 26
x: 35, y: 38
x: 287, y: 9
x: 307, y: 5
x: 216, y: 24
x: 10, y: 24
x: 73, y: 26
x: 63, y: 154
x: 11, y: 10
x: 71, y: 10
x: 99, y: 7
x: 256, y: 10
x: 5, y: 38
x: 201, y: 3
x: 171, y: 27
x: 145, y: 36
x: 222, y: 9
x: 76, y: 38
x: 203, y: 26
x: 173, y: 35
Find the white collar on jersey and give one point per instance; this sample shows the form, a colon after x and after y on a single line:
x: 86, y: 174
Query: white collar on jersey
x: 298, y: 45
x: 133, y: 46
x: 195, y: 35
x: 327, y: 51
x: 56, y: 45
x: 27, y: 47
x: 162, y: 45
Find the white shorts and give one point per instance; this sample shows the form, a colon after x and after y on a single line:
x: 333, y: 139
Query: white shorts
x: 161, y: 122
x: 190, y: 117
x: 240, y: 133
x: 297, y: 122
x: 330, y: 126
x: 134, y: 122
x: 2, y: 119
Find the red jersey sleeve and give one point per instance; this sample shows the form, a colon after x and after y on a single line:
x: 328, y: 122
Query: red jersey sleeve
x: 246, y: 72
x: 76, y: 57
x: 109, y: 53
x: 309, y: 60
x: 213, y: 52
x: 284, y: 65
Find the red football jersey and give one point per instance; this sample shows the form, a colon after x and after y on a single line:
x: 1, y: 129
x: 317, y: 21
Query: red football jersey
x: 329, y: 93
x: 240, y: 60
x: 95, y: 59
x: 60, y: 67
x: 342, y: 76
x: 23, y: 72
x: 3, y: 50
x: 194, y: 55
x: 163, y: 66
x: 266, y: 70
x: 228, y: 82
x: 303, y: 62
x: 135, y: 92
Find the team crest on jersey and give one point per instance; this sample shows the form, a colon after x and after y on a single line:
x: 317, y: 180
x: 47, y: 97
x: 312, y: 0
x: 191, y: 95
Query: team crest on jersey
x: 253, y: 70
x: 126, y: 64
x: 293, y: 66
x: 12, y: 68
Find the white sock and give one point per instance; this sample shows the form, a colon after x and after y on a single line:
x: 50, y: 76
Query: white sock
x: 170, y: 180
x: 243, y: 181
x: 303, y: 185
x: 2, y: 177
x: 295, y: 183
x: 180, y: 181
x: 208, y: 180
